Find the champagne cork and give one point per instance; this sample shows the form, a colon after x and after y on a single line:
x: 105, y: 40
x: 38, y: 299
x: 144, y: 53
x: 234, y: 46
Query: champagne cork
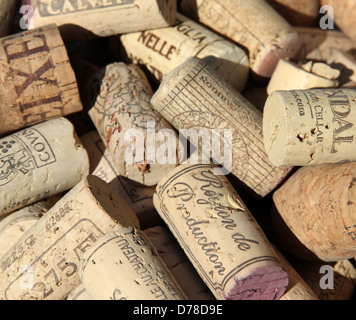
x: 129, y: 126
x: 137, y: 196
x: 317, y: 204
x: 193, y: 96
x: 37, y: 82
x: 80, y: 293
x: 123, y: 265
x: 291, y: 76
x: 219, y: 235
x: 310, y: 127
x: 268, y: 37
x: 44, y: 263
x: 178, y: 264
x: 36, y: 163
x: 7, y: 14
x: 162, y: 50
x: 298, y: 12
x: 102, y: 18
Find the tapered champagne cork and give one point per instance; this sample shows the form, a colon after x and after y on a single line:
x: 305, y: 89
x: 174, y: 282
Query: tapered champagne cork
x: 36, y: 163
x: 162, y: 50
x: 291, y: 76
x: 219, y: 235
x: 102, y: 18
x: 298, y: 12
x: 137, y: 196
x: 44, y: 263
x: 79, y: 293
x: 37, y: 82
x: 268, y: 36
x: 317, y: 204
x: 178, y: 264
x: 124, y: 265
x: 7, y: 14
x: 194, y: 97
x: 310, y: 127
x: 129, y: 126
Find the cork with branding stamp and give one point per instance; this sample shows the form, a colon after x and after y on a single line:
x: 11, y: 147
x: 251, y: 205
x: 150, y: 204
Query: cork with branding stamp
x: 36, y: 164
x: 310, y: 127
x: 219, y: 235
x: 134, y: 134
x: 268, y: 36
x: 102, y: 18
x: 48, y: 254
x: 317, y: 204
x: 124, y: 265
x: 162, y: 50
x: 194, y: 97
x: 37, y: 82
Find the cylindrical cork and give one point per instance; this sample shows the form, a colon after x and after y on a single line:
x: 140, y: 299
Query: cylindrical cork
x: 130, y: 129
x: 317, y: 204
x: 178, y: 264
x: 162, y: 50
x: 194, y: 97
x: 44, y: 263
x: 343, y: 15
x: 291, y: 76
x: 103, y: 18
x: 219, y: 235
x: 310, y: 127
x: 37, y: 82
x: 124, y: 265
x: 7, y: 14
x: 298, y: 12
x: 299, y: 292
x: 38, y: 162
x: 268, y: 36
x: 80, y: 293
x: 137, y: 196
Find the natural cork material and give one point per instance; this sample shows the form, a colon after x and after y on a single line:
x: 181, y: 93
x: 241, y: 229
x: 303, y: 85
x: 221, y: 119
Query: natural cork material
x: 48, y: 254
x: 268, y: 36
x: 317, y: 203
x: 219, y: 235
x: 310, y: 127
x: 37, y: 82
x: 123, y: 265
x: 162, y: 50
x: 35, y: 163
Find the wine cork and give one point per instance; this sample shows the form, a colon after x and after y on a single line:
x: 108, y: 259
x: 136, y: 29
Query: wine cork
x: 268, y: 37
x: 102, y: 18
x: 291, y: 76
x: 193, y: 96
x: 37, y: 80
x: 162, y: 50
x: 298, y: 12
x: 36, y: 164
x: 44, y: 263
x: 178, y: 263
x: 310, y: 127
x: 219, y: 235
x: 80, y: 293
x: 299, y: 292
x: 317, y: 204
x: 137, y: 196
x: 123, y: 265
x: 129, y: 126
x: 7, y: 14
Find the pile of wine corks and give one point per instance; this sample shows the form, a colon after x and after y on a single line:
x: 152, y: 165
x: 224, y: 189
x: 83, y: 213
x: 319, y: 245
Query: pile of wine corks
x: 177, y: 150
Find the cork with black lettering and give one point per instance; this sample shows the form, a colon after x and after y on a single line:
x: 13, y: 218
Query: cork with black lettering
x: 37, y: 82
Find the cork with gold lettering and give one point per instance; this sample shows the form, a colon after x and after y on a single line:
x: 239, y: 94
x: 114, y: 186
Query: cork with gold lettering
x: 124, y: 265
x: 79, y: 19
x: 44, y: 262
x: 219, y: 235
x: 162, y: 50
x: 193, y: 97
x: 310, y: 127
x: 134, y: 134
x: 317, y: 204
x: 7, y: 14
x: 268, y: 36
x: 37, y: 82
x: 36, y: 164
